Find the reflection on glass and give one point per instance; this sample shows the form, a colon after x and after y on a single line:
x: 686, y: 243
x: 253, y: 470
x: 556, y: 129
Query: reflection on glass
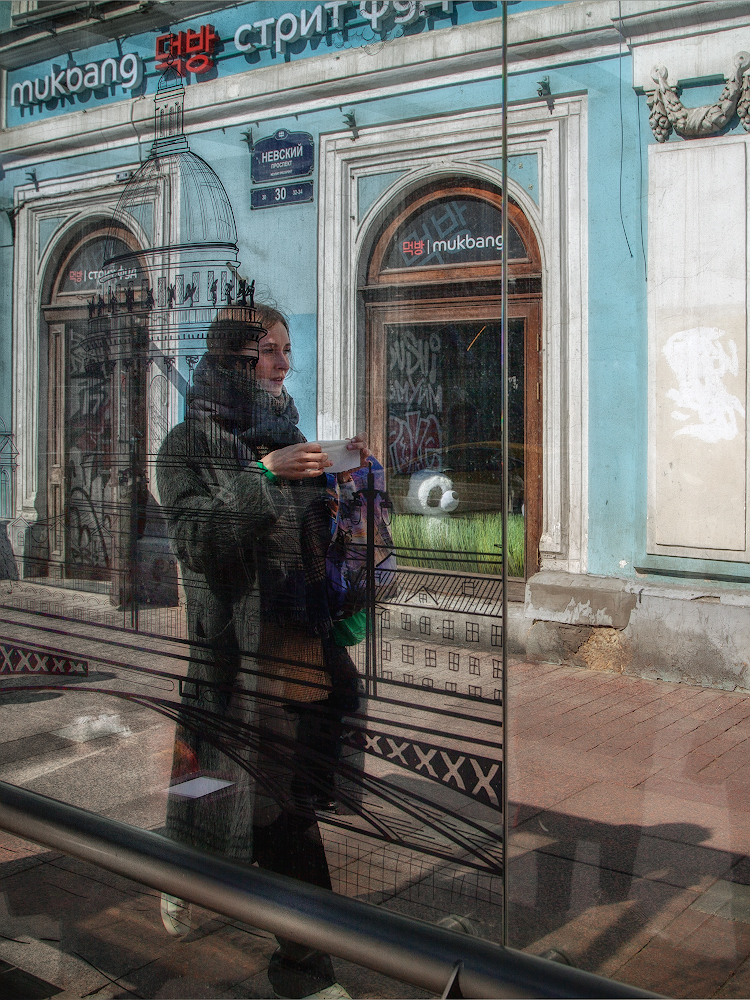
x: 82, y: 272
x: 141, y: 676
x: 444, y: 442
x: 210, y: 687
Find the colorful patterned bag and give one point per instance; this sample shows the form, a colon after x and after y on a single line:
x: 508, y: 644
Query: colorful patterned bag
x: 346, y: 560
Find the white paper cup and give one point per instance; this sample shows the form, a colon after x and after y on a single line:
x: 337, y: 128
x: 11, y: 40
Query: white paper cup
x: 342, y: 457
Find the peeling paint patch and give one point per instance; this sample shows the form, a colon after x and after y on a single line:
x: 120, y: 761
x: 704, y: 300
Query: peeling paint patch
x: 605, y: 649
x: 699, y: 362
x: 578, y: 613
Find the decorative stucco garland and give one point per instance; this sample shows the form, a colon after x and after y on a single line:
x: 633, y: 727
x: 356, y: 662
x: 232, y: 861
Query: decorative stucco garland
x: 668, y: 111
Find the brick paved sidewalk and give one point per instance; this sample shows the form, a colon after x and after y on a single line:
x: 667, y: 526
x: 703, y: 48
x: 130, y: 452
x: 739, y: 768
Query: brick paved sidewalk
x: 631, y: 831
x: 630, y: 851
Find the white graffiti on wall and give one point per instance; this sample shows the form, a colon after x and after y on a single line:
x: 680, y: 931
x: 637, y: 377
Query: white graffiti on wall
x: 414, y: 429
x: 699, y: 362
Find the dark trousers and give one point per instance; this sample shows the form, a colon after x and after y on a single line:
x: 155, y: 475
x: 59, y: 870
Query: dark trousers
x: 292, y: 845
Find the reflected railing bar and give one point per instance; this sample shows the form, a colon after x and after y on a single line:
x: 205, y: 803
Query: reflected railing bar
x: 225, y: 736
x: 53, y: 616
x: 439, y: 552
x: 403, y: 948
x: 130, y: 646
x: 410, y: 727
x: 439, y: 692
x: 278, y: 699
x: 150, y: 671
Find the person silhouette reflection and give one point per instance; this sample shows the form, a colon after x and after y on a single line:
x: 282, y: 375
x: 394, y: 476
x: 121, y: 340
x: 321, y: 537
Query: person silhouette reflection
x: 247, y: 504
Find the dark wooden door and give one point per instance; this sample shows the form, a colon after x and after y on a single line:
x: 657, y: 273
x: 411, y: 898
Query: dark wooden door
x: 431, y: 293
x: 79, y: 455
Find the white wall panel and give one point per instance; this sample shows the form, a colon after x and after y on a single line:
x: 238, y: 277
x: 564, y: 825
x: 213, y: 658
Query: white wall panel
x: 697, y: 297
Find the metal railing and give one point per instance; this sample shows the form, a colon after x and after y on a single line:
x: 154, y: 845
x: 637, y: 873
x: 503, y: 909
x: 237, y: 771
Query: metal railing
x: 409, y: 950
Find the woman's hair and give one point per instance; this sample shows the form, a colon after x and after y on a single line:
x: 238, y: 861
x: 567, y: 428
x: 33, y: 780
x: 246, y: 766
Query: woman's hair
x: 269, y: 316
x: 230, y: 331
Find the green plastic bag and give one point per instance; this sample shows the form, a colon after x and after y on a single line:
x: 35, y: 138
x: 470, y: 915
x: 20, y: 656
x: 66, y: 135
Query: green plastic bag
x: 350, y: 631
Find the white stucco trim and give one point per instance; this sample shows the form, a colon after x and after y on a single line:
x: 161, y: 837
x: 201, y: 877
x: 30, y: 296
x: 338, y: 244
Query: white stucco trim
x: 693, y: 40
x: 433, y: 148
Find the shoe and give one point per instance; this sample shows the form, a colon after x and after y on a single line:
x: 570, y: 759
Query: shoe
x: 324, y: 803
x: 175, y: 915
x: 335, y: 992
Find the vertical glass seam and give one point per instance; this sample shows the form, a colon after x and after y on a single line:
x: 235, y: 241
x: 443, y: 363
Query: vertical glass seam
x: 504, y: 450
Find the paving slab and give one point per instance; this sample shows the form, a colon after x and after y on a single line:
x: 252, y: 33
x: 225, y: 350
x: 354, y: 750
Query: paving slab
x: 688, y: 958
x: 627, y: 863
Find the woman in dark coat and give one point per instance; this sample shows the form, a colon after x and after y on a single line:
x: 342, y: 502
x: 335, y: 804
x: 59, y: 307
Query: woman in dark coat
x: 248, y: 508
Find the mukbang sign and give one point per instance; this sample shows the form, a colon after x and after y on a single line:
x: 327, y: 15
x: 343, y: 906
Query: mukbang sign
x: 462, y: 241
x: 58, y: 88
x: 127, y: 71
x: 452, y: 231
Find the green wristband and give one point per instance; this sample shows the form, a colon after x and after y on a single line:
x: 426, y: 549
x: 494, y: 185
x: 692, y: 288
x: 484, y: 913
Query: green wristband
x: 269, y: 475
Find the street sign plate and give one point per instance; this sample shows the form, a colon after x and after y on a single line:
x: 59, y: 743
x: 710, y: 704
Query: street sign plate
x: 281, y: 155
x: 282, y: 194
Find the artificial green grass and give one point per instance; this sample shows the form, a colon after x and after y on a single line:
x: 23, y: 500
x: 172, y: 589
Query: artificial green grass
x: 467, y: 544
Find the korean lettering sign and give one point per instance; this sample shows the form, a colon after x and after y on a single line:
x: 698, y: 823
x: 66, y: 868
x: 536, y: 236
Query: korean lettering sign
x: 283, y: 154
x: 452, y: 231
x: 187, y: 51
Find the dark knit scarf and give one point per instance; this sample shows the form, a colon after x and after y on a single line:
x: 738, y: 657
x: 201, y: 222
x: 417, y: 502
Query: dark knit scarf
x: 234, y: 399
x: 291, y: 560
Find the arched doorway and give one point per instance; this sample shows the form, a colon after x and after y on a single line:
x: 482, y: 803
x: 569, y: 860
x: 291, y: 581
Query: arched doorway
x: 75, y: 538
x: 431, y: 292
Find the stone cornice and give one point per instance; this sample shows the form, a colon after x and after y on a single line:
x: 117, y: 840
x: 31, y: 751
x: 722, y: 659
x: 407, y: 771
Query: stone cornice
x: 696, y: 40
x: 426, y: 61
x: 642, y: 23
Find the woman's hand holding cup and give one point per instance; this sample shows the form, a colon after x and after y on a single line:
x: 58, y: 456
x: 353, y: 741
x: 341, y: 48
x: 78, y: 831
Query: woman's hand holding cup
x: 297, y: 461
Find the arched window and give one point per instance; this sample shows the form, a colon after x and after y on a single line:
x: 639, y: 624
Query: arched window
x: 80, y: 395
x: 433, y: 309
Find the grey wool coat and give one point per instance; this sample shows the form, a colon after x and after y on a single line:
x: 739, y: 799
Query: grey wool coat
x: 222, y: 511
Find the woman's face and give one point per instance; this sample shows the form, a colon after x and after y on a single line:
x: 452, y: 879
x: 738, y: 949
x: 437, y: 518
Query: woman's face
x: 273, y: 365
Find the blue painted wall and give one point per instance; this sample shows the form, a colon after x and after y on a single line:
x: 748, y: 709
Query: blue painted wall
x: 278, y: 246
x: 301, y: 382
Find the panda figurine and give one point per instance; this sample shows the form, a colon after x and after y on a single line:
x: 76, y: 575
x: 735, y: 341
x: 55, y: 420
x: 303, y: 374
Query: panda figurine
x: 421, y: 487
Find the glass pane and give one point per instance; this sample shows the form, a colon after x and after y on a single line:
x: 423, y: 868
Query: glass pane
x: 88, y: 442
x: 444, y: 442
x: 241, y: 647
x: 310, y: 672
